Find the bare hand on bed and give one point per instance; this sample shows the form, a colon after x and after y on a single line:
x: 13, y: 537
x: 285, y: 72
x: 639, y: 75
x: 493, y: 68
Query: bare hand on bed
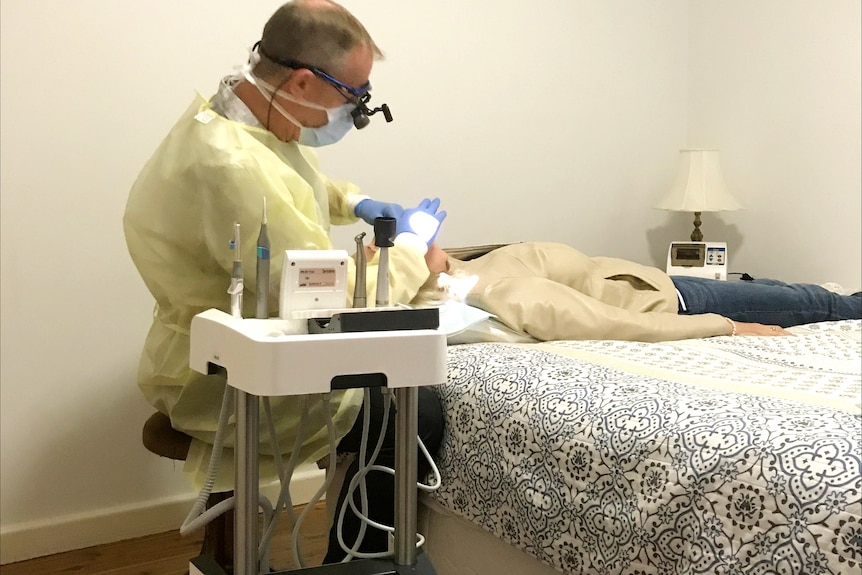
x: 436, y: 259
x: 743, y: 328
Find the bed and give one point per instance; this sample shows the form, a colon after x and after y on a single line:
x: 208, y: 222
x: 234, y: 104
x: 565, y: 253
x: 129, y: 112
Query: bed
x: 727, y: 455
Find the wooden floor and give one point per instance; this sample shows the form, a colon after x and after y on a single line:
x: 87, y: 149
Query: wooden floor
x: 169, y: 553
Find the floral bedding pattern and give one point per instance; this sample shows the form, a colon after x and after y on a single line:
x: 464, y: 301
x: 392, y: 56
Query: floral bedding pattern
x: 596, y: 469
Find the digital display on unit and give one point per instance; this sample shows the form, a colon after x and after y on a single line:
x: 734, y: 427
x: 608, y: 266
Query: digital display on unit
x: 683, y: 253
x: 316, y: 278
x: 687, y: 255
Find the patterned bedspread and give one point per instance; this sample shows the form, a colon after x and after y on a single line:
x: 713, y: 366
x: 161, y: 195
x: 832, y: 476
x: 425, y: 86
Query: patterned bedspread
x: 723, y: 456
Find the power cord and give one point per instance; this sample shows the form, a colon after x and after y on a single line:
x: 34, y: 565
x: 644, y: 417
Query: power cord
x: 358, y: 480
x: 743, y: 276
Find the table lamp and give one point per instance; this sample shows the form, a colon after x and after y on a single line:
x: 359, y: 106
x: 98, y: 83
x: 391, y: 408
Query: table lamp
x: 699, y: 187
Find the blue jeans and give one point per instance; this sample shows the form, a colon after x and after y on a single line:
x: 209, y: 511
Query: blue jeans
x: 766, y: 301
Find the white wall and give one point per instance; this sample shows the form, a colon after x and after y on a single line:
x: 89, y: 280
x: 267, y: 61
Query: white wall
x: 776, y: 85
x: 543, y: 120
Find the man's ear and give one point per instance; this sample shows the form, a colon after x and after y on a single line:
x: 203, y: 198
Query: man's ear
x: 299, y: 83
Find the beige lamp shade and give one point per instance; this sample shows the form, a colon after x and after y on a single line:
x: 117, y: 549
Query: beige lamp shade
x: 699, y: 185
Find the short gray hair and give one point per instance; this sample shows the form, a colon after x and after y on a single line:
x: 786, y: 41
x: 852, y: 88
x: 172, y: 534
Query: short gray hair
x: 318, y: 33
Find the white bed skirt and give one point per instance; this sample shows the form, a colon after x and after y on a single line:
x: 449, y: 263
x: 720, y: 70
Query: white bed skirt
x: 457, y: 547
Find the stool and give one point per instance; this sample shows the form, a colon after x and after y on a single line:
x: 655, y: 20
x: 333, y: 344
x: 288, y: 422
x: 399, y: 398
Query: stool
x: 162, y: 439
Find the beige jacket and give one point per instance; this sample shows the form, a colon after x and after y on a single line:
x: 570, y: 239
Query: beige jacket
x: 552, y: 291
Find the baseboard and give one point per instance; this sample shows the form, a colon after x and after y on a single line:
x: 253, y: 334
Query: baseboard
x: 56, y: 535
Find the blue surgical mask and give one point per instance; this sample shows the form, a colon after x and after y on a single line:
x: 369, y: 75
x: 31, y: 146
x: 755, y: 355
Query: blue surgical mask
x: 339, y: 120
x: 339, y: 123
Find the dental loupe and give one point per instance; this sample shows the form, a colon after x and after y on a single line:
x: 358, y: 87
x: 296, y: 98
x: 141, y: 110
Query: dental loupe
x: 362, y: 112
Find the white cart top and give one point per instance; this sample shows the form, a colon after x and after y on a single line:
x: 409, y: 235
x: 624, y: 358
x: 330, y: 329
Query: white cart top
x: 262, y: 358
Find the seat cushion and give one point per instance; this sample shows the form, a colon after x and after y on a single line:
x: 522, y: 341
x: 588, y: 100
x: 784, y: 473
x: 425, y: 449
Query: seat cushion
x: 162, y: 439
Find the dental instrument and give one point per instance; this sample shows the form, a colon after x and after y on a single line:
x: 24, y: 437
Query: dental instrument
x: 236, y: 279
x: 262, y: 309
x: 360, y: 297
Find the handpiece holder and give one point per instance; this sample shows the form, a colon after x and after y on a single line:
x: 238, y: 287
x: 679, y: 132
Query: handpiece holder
x: 384, y: 236
x: 384, y: 232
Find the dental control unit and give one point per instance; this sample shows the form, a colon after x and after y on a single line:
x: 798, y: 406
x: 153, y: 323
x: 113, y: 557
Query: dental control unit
x: 697, y: 259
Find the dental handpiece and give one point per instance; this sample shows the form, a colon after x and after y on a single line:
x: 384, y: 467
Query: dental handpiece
x: 384, y: 232
x: 236, y: 286
x: 360, y: 297
x: 262, y: 308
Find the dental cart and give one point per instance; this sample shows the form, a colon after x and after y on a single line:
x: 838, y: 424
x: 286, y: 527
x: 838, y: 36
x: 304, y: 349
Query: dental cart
x: 263, y: 358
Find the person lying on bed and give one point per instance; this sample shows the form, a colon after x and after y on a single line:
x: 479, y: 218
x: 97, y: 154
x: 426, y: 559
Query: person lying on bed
x: 552, y: 291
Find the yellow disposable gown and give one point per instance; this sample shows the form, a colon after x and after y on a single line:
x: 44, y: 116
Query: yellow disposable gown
x: 208, y: 173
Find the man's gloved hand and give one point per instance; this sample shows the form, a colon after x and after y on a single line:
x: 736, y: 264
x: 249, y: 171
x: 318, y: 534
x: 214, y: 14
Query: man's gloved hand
x: 422, y: 221
x: 369, y: 209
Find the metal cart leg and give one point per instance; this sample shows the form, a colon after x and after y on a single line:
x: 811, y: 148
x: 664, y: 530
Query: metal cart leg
x: 406, y: 429
x: 246, y: 487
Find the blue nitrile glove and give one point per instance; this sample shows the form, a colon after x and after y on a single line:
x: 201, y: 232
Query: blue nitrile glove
x: 423, y: 221
x: 369, y: 209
